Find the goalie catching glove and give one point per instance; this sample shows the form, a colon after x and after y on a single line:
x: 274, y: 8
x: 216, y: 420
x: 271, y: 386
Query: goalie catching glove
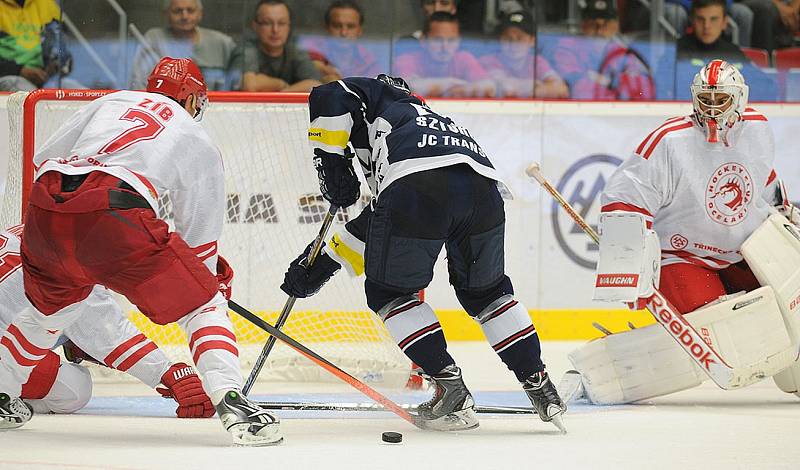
x: 301, y: 281
x: 337, y: 178
x: 184, y: 386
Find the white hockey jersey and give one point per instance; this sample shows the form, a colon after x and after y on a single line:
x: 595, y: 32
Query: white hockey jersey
x: 702, y: 199
x: 102, y: 331
x: 151, y: 143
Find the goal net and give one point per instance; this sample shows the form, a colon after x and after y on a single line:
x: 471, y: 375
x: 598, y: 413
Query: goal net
x: 274, y: 210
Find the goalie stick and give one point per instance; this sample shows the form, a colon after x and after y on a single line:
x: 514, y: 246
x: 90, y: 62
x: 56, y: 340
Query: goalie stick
x: 665, y: 314
x: 287, y: 307
x: 327, y: 365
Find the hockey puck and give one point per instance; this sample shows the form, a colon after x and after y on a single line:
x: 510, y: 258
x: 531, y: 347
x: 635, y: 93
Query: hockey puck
x: 392, y: 437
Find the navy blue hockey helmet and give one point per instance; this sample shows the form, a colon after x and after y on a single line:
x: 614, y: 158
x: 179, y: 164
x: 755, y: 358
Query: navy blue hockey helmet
x: 396, y: 82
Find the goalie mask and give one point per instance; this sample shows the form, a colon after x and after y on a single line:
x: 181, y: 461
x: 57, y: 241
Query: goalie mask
x: 180, y: 79
x: 719, y: 98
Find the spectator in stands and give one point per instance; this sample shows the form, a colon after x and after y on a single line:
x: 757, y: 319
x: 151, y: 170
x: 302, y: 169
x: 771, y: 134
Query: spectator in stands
x: 33, y: 51
x: 598, y: 64
x: 775, y: 22
x: 677, y: 13
x: 706, y: 42
x: 339, y: 55
x: 183, y: 37
x: 272, y: 62
x: 440, y: 68
x: 518, y: 71
x: 429, y: 7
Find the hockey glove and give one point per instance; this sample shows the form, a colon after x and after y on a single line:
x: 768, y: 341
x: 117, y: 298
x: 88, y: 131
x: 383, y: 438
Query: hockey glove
x: 184, y: 386
x: 76, y: 355
x: 224, y: 277
x: 301, y: 281
x: 337, y: 179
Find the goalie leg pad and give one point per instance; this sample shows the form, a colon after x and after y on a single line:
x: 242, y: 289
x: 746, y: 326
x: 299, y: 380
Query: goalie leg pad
x: 634, y: 365
x: 788, y: 380
x: 417, y: 331
x: 748, y: 331
x: 773, y: 254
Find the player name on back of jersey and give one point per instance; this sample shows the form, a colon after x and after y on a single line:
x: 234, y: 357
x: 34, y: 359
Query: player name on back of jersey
x: 436, y: 124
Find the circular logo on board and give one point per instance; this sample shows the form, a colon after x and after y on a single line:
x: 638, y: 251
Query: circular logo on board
x: 678, y: 241
x: 581, y: 186
x: 728, y: 194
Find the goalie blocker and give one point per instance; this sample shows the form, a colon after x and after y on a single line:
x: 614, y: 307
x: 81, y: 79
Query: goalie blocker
x: 757, y: 331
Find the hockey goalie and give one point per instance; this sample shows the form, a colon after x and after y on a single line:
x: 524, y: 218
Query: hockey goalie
x: 699, y: 214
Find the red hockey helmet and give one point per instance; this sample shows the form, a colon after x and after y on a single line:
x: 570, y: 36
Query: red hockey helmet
x: 179, y: 79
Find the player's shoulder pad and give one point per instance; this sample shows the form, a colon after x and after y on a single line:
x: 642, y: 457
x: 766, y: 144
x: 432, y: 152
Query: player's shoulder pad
x: 751, y: 114
x: 647, y: 146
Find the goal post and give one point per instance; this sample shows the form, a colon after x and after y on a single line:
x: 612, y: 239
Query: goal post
x: 273, y: 210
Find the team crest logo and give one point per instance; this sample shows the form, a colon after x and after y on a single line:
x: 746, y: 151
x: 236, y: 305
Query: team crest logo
x: 728, y: 194
x: 678, y: 241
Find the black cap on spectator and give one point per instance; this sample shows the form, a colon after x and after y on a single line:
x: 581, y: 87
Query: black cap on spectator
x: 521, y: 19
x: 598, y: 9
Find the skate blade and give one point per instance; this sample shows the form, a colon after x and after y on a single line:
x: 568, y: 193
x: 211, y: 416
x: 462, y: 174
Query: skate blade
x: 269, y: 435
x: 457, y: 421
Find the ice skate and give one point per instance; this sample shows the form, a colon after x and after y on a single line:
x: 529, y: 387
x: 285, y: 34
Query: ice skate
x: 249, y: 424
x: 13, y: 412
x: 545, y: 399
x: 452, y: 406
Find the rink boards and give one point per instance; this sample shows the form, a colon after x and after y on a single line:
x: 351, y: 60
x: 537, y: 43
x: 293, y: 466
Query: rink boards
x: 549, y: 260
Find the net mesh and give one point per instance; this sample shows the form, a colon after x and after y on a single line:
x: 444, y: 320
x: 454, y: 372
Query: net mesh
x: 273, y: 211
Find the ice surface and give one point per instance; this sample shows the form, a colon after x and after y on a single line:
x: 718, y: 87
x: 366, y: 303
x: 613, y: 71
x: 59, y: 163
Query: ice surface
x: 128, y: 427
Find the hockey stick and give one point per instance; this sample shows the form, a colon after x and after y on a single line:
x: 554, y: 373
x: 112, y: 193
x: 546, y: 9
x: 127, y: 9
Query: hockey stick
x: 569, y: 389
x: 663, y: 311
x: 314, y: 406
x: 325, y: 364
x: 287, y: 307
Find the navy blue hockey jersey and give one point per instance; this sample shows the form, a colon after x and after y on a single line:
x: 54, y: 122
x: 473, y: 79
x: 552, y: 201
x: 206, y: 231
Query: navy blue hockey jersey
x: 394, y: 134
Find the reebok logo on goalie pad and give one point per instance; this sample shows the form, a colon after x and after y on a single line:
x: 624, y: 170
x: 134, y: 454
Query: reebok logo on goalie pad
x: 617, y: 280
x: 683, y: 333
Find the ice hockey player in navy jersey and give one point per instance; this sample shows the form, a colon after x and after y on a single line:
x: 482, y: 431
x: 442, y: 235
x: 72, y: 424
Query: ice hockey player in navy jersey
x: 432, y: 185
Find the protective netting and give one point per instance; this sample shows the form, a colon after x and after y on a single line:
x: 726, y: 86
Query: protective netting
x: 273, y: 211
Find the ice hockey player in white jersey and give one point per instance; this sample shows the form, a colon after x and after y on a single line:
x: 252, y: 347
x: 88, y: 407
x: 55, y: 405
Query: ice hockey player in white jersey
x: 681, y: 215
x: 103, y: 332
x: 92, y: 221
x: 433, y: 186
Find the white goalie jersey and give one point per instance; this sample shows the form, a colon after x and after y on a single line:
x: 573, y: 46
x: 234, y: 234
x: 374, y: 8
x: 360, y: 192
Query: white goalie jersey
x: 102, y: 331
x: 705, y: 199
x: 151, y: 143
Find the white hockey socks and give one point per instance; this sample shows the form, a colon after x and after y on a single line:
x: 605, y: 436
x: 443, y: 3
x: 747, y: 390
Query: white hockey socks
x: 509, y: 330
x: 417, y: 331
x: 213, y: 347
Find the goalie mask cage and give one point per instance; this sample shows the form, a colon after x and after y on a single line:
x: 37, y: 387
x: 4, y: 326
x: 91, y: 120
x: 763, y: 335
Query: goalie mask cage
x: 274, y: 210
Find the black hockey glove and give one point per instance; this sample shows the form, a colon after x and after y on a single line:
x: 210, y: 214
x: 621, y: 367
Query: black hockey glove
x: 337, y: 179
x: 301, y: 281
